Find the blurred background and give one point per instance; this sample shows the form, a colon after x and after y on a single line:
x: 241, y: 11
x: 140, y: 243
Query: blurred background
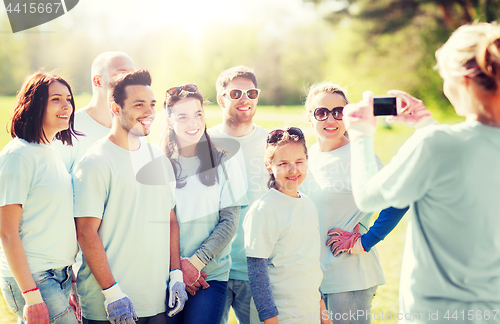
x: 364, y: 44
x: 291, y: 44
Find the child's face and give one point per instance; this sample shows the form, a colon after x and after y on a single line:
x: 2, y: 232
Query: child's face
x: 289, y: 167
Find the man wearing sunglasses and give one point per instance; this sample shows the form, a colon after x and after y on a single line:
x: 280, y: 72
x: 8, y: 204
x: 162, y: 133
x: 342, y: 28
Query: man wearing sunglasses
x: 237, y: 95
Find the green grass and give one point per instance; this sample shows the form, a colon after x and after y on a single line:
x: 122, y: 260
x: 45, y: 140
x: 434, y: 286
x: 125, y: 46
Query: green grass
x: 387, y: 142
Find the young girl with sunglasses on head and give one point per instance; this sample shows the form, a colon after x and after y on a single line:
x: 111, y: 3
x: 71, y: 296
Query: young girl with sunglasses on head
x: 450, y: 175
x: 351, y: 271
x: 282, y: 239
x: 37, y: 230
x: 209, y: 193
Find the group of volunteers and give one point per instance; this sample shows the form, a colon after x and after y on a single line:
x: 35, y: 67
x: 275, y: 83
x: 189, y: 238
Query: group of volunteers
x: 237, y: 216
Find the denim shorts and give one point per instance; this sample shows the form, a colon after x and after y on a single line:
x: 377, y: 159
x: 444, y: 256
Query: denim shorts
x: 55, y: 287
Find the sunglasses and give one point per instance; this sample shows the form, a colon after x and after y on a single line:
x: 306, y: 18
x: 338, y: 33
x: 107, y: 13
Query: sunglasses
x: 175, y: 91
x: 236, y: 94
x: 277, y: 135
x: 321, y: 113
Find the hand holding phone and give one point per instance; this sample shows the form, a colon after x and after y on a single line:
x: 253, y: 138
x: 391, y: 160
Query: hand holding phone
x: 413, y: 113
x: 386, y: 105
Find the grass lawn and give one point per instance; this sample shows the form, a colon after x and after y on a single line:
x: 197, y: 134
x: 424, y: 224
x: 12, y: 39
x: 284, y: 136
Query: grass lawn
x: 387, y: 142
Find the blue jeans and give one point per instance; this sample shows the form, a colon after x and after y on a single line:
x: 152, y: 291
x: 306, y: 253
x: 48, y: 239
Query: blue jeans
x: 55, y: 287
x: 344, y: 304
x: 238, y: 296
x: 205, y: 307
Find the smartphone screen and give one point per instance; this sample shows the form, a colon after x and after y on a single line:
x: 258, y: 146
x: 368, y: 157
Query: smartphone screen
x: 384, y: 106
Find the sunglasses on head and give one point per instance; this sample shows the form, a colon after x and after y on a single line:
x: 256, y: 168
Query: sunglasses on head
x: 277, y: 135
x: 236, y: 94
x: 175, y: 91
x: 321, y: 113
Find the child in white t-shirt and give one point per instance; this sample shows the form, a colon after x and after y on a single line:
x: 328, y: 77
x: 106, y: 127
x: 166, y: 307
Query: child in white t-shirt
x: 282, y: 239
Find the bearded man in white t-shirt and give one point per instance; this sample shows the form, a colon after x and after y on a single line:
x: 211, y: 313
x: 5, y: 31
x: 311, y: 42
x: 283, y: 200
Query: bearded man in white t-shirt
x: 237, y: 95
x: 124, y: 213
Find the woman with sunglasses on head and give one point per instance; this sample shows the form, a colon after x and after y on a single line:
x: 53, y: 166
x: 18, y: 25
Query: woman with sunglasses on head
x: 37, y: 230
x: 282, y: 239
x: 209, y: 194
x: 351, y: 273
x: 451, y: 177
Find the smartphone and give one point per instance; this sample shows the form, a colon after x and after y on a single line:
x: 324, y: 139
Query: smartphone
x: 386, y: 105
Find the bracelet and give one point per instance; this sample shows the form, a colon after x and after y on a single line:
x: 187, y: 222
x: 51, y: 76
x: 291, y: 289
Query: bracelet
x: 27, y: 291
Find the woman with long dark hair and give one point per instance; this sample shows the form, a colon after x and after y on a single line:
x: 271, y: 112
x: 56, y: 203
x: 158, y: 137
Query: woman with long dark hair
x: 209, y: 192
x: 37, y: 230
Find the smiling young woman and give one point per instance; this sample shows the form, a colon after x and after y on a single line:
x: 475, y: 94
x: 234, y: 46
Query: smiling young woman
x: 37, y: 230
x: 209, y: 193
x: 351, y: 278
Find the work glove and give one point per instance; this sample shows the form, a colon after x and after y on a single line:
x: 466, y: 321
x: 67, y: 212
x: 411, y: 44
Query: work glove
x: 342, y: 241
x: 358, y: 117
x: 35, y: 310
x: 414, y: 113
x: 119, y: 308
x: 177, y: 292
x: 192, y: 274
x: 74, y: 303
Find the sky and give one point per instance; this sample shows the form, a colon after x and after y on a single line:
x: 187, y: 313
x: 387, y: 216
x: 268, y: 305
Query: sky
x: 139, y: 16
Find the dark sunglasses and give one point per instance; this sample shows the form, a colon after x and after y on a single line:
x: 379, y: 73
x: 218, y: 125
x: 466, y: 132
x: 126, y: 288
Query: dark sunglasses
x: 277, y: 135
x: 176, y: 90
x: 236, y: 94
x: 321, y: 113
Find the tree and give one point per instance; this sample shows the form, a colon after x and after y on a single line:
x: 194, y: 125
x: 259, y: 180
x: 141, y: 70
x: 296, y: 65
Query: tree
x: 396, y: 39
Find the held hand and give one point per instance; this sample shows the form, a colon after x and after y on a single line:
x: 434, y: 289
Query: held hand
x: 73, y: 302
x: 342, y: 241
x: 414, y: 113
x: 358, y: 117
x: 119, y: 308
x: 200, y: 283
x: 191, y: 268
x: 35, y: 310
x: 36, y: 314
x: 177, y: 293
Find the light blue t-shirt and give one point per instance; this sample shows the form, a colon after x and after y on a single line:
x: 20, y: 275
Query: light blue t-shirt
x: 253, y: 147
x: 328, y: 183
x: 92, y: 131
x: 197, y: 210
x: 451, y: 177
x: 34, y: 176
x: 285, y: 230
x: 131, y: 193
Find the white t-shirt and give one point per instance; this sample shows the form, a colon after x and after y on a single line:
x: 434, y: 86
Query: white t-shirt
x: 92, y: 130
x: 328, y: 183
x: 253, y: 147
x: 285, y: 230
x: 451, y: 177
x: 134, y: 200
x: 197, y: 209
x: 34, y: 176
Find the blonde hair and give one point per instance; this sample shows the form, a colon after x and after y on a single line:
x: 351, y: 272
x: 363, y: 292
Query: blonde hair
x: 325, y: 86
x: 472, y: 51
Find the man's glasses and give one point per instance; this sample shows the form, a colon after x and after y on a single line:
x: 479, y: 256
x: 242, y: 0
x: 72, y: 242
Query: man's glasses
x: 277, y: 135
x: 236, y: 94
x: 321, y: 113
x: 175, y: 91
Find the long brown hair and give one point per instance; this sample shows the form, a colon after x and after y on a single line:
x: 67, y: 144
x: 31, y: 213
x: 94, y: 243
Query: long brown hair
x: 210, y: 157
x: 31, y: 104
